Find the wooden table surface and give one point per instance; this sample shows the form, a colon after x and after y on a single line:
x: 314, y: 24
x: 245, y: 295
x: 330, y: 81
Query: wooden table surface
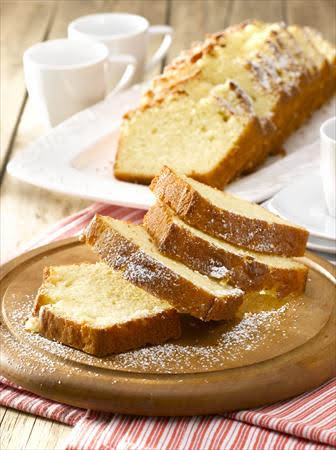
x: 27, y: 211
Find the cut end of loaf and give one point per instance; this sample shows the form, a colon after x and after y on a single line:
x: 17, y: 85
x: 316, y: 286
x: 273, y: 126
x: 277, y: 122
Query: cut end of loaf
x: 92, y: 308
x: 219, y: 123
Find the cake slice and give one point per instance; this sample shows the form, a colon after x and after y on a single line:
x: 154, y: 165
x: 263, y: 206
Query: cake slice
x: 227, y: 135
x: 127, y: 247
x: 93, y: 308
x: 228, y: 218
x: 245, y: 269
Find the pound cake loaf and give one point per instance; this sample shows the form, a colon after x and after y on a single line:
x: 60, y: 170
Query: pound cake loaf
x: 127, y: 247
x: 228, y: 218
x: 227, y: 135
x: 282, y: 73
x: 248, y: 270
x: 93, y: 308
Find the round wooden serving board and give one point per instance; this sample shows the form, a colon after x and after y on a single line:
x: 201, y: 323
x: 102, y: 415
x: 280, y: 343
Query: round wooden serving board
x: 273, y: 351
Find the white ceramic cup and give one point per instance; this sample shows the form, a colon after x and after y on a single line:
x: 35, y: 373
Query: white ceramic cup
x: 65, y: 76
x: 328, y: 163
x: 123, y: 34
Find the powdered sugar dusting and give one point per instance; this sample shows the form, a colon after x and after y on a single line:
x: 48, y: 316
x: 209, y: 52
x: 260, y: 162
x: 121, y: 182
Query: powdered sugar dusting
x: 142, y: 268
x: 203, y: 346
x: 263, y: 329
x: 218, y: 272
x: 224, y: 349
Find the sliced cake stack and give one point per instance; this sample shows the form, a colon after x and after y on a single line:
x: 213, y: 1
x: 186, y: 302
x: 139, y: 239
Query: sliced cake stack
x: 225, y: 238
x: 128, y: 248
x: 201, y: 249
x: 198, y: 252
x: 220, y: 108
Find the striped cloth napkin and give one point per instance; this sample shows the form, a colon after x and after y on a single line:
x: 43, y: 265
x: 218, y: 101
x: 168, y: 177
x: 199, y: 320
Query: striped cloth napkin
x: 306, y: 422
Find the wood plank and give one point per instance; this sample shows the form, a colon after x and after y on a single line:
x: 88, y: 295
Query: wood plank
x: 16, y: 427
x: 47, y: 434
x: 3, y: 410
x: 266, y: 10
x: 22, y: 24
x: 39, y: 208
x: 20, y: 430
x: 215, y: 15
x: 202, y: 17
x: 58, y: 434
x: 68, y: 10
x: 321, y: 14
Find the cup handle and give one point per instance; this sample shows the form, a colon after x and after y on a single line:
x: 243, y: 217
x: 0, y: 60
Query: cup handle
x: 164, y: 46
x: 128, y: 62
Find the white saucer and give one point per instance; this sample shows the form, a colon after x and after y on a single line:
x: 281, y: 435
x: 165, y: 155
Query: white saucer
x: 322, y: 245
x: 330, y: 258
x: 314, y: 243
x: 303, y: 203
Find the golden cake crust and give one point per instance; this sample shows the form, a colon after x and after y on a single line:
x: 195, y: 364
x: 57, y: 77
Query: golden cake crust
x: 199, y: 254
x: 115, y: 339
x: 253, y: 234
x: 144, y: 271
x: 118, y: 338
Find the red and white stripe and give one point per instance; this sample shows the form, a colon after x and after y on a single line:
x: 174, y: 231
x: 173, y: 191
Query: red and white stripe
x: 103, y: 431
x: 306, y: 422
x: 14, y: 397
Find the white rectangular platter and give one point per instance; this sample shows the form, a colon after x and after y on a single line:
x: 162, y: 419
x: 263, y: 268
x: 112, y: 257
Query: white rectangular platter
x: 76, y: 158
